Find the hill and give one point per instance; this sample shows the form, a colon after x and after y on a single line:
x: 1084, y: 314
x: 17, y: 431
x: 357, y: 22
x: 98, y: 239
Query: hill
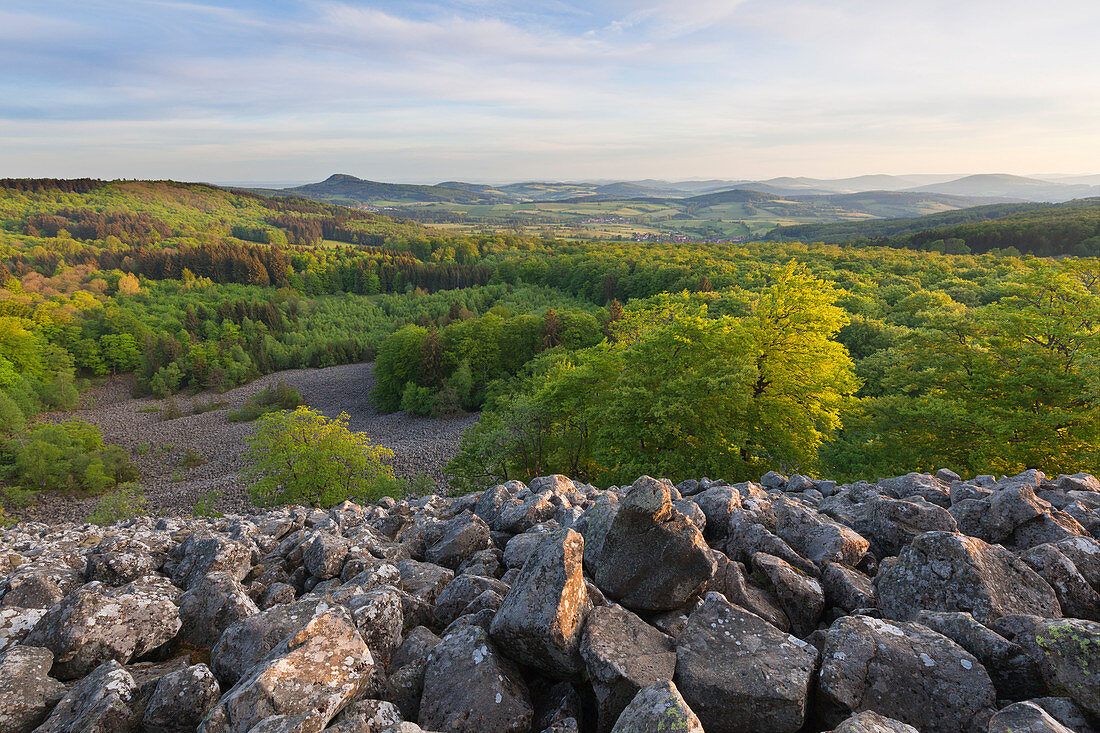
x: 1019, y: 187
x: 1070, y: 228
x: 351, y: 191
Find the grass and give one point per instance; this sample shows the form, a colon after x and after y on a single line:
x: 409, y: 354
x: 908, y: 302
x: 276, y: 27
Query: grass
x: 125, y: 502
x: 210, y: 406
x: 171, y: 410
x: 206, y: 504
x: 272, y: 399
x: 191, y: 459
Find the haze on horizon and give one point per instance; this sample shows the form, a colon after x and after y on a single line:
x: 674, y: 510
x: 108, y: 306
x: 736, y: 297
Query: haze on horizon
x: 426, y: 91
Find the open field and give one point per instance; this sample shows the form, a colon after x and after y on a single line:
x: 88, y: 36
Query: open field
x: 420, y: 445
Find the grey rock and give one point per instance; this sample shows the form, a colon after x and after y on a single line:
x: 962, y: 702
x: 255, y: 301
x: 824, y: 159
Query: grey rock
x: 543, y: 614
x: 717, y: 504
x: 462, y: 591
x: 520, y: 547
x: 891, y: 524
x: 209, y: 608
x: 816, y: 537
x: 653, y: 557
x: 800, y: 596
x: 201, y: 555
x: 16, y: 623
x: 846, y: 588
x: 414, y: 647
x: 99, y: 703
x: 594, y: 525
x: 871, y: 722
x: 94, y: 624
x: 740, y: 590
x: 470, y: 687
x: 246, y: 642
x: 181, y: 700
x: 378, y: 615
x: 27, y: 692
x: 739, y: 673
x: 1025, y: 717
x: 324, y: 555
x: 866, y: 662
x: 458, y: 540
x: 658, y: 707
x: 623, y: 654
x: 1076, y: 597
x: 311, y: 675
x: 940, y: 571
x: 748, y: 537
x: 366, y: 716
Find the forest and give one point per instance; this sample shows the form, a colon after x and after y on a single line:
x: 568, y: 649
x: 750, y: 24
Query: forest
x: 597, y: 359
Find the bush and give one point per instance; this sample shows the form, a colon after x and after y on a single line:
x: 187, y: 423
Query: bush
x: 128, y: 501
x: 210, y: 406
x: 191, y: 459
x: 418, y: 400
x: 70, y: 455
x: 303, y: 457
x: 171, y: 410
x: 272, y: 399
x: 206, y: 504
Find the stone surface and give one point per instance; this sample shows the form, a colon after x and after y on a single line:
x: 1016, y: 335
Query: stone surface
x: 799, y: 595
x: 312, y: 674
x: 623, y: 654
x: 941, y: 571
x: 1025, y: 717
x: 458, y: 540
x: 871, y: 722
x: 653, y: 557
x: 211, y: 606
x: 99, y: 703
x: 739, y: 673
x: 543, y: 614
x: 27, y: 692
x: 867, y: 663
x: 470, y: 687
x: 658, y: 707
x: 181, y: 700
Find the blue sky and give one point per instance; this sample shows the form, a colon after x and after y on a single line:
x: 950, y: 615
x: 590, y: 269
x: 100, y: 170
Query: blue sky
x: 293, y: 90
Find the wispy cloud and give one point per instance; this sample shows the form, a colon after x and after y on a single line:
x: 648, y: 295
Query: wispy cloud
x: 428, y: 90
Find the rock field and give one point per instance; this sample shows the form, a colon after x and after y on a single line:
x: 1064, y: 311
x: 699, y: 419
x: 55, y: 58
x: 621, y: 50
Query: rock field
x: 420, y: 445
x: 922, y: 602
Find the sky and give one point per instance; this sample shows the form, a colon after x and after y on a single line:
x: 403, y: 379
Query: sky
x: 488, y: 90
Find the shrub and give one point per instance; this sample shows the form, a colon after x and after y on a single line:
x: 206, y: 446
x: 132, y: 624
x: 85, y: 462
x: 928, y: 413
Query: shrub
x: 128, y: 501
x: 171, y: 410
x: 418, y: 400
x: 210, y: 406
x: 272, y: 399
x: 303, y: 457
x: 206, y: 504
x: 69, y: 455
x: 191, y: 459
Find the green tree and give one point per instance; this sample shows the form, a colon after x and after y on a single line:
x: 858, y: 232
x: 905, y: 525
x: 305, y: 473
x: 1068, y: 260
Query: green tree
x: 304, y: 457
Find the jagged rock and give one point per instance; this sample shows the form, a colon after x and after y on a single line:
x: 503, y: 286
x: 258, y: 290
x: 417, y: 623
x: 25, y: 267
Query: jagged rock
x: 543, y: 614
x: 559, y: 706
x: 891, y: 524
x: 16, y: 623
x: 204, y: 555
x: 799, y: 595
x: 94, y: 624
x: 249, y: 640
x: 691, y: 510
x: 739, y: 590
x: 42, y: 583
x: 1025, y: 717
x: 653, y: 557
x: 866, y: 662
x: 457, y: 540
x: 486, y: 563
x: 379, y: 618
x: 324, y: 555
x: 312, y: 674
x: 415, y: 646
x: 120, y: 559
x: 1013, y: 673
x: 1076, y: 597
x: 520, y: 547
x: 181, y: 700
x: 1053, y: 526
x: 462, y: 591
x: 519, y: 516
x: 846, y: 588
x: 1067, y: 652
x: 27, y: 692
x: 1085, y: 554
x: 940, y: 571
x: 470, y: 687
x: 366, y: 716
x: 1066, y: 712
x: 209, y: 608
x: 748, y: 537
x: 424, y: 580
x: 923, y: 485
x: 275, y: 594
x: 623, y: 654
x: 658, y: 707
x: 740, y: 673
x: 99, y: 703
x: 871, y: 722
x: 717, y: 503
x: 594, y: 525
x: 816, y: 537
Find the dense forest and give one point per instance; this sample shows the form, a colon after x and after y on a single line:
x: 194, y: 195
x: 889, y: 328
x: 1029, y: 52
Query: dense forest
x: 595, y: 359
x: 1048, y: 230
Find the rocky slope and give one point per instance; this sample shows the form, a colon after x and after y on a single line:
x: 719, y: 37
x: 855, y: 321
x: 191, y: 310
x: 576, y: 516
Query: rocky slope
x: 918, y: 603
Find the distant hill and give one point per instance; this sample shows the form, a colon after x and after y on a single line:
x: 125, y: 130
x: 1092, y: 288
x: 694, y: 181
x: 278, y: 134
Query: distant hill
x: 349, y: 190
x: 1018, y: 187
x: 1069, y: 228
